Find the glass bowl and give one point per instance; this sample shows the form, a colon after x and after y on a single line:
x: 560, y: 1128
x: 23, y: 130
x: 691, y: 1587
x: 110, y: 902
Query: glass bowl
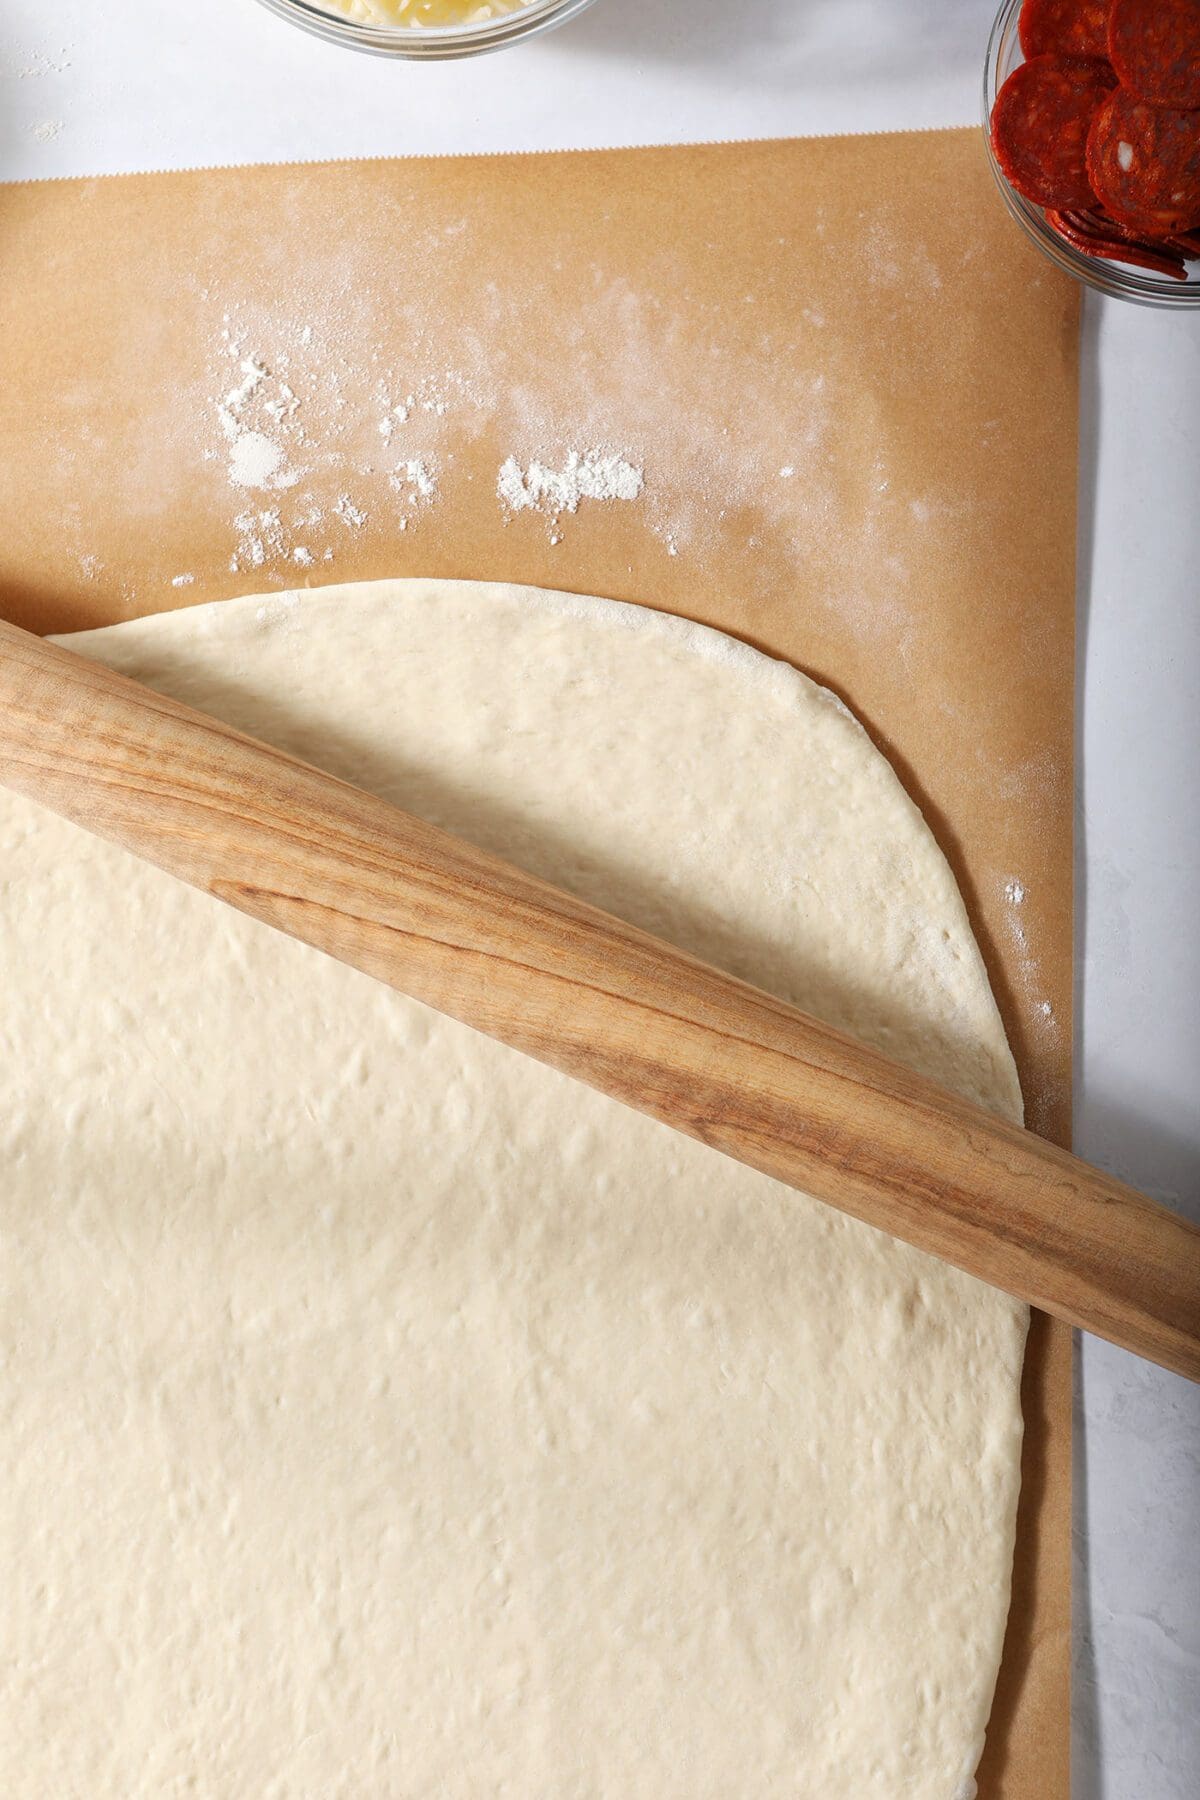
x: 429, y: 43
x: 1120, y: 280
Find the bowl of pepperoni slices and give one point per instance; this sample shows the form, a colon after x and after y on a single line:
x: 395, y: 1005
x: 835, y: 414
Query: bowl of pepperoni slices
x: 1092, y: 121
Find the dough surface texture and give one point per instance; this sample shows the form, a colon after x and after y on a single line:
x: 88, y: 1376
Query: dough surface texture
x: 384, y: 1416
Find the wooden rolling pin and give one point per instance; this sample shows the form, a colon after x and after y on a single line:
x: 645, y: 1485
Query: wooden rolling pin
x: 576, y: 988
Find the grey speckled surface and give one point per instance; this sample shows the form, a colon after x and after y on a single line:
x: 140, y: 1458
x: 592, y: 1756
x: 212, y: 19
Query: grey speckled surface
x: 1137, y: 1481
x: 85, y: 89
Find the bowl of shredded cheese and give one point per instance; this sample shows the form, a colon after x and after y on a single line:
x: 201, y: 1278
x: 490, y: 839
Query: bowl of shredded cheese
x: 426, y: 29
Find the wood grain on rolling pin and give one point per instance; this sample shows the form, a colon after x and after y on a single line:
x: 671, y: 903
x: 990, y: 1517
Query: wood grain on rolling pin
x: 574, y: 987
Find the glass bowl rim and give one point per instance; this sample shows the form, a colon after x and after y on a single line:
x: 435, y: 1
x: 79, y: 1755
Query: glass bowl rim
x: 428, y: 42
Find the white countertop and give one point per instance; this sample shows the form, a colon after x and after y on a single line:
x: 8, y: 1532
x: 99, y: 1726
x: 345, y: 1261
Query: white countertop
x: 87, y: 88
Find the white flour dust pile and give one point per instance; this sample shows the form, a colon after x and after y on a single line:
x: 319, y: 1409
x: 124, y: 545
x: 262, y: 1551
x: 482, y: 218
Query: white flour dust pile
x: 585, y: 475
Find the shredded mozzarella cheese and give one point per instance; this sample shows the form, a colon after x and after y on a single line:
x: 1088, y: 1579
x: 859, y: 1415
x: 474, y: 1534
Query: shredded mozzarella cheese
x: 423, y: 13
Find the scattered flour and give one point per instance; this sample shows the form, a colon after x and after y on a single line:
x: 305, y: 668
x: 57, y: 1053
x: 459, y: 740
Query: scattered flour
x: 289, y: 423
x: 257, y: 457
x: 415, y: 473
x: 353, y: 381
x: 1029, y: 963
x: 395, y: 417
x: 352, y: 517
x: 284, y: 405
x: 253, y: 376
x: 182, y: 580
x: 587, y: 475
x: 363, y: 400
x: 261, y: 539
x: 416, y: 484
x: 46, y: 131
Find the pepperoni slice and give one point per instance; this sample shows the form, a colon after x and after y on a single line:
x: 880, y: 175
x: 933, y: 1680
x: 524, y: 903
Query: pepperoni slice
x: 1040, y: 127
x: 1100, y: 224
x: 1155, y: 48
x: 1064, y: 28
x: 1144, y: 164
x: 1085, y: 231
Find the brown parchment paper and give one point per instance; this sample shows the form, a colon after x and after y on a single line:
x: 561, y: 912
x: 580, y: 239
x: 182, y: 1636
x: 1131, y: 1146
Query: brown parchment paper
x: 850, y: 388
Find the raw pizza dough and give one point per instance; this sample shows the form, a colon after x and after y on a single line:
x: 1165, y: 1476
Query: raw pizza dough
x: 384, y: 1415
